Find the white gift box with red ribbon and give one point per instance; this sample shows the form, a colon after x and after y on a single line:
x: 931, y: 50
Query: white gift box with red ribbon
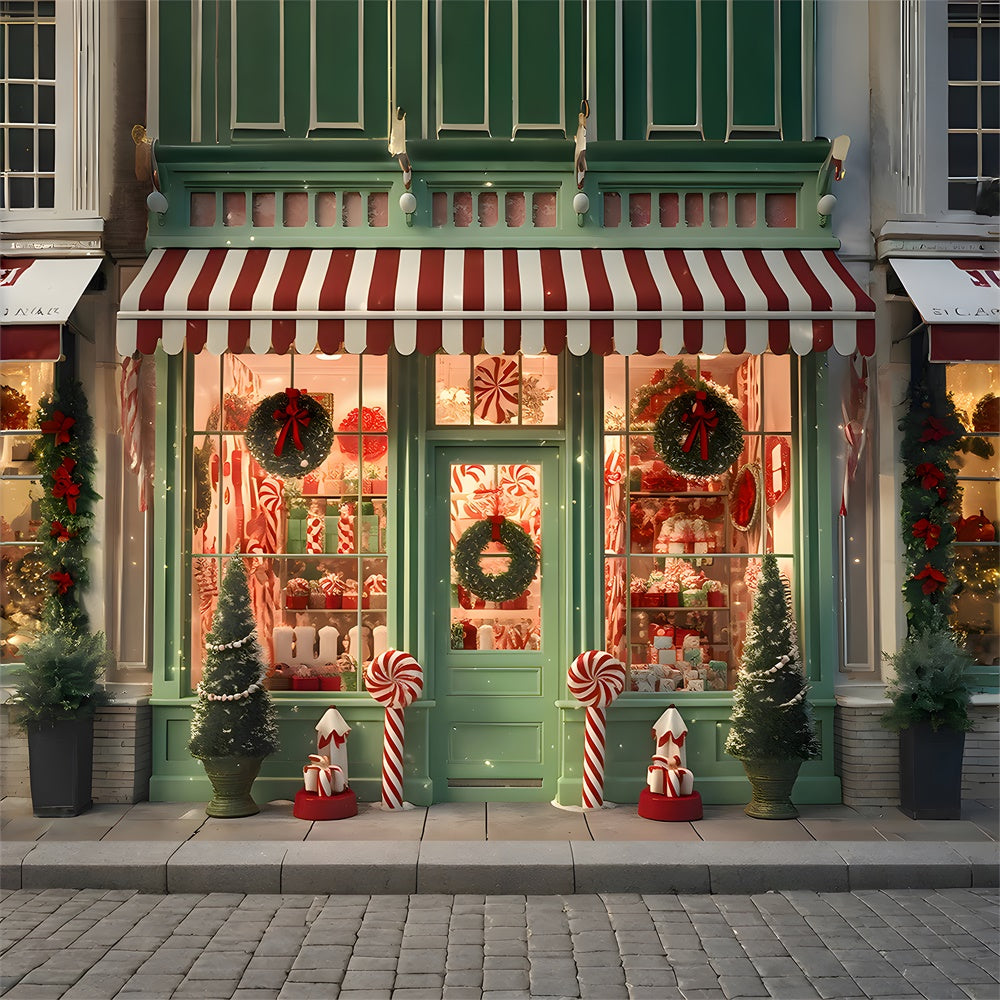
x: 321, y: 777
x: 667, y: 777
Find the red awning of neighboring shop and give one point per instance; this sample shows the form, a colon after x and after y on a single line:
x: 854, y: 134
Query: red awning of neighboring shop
x: 959, y: 300
x: 42, y: 342
x: 495, y: 302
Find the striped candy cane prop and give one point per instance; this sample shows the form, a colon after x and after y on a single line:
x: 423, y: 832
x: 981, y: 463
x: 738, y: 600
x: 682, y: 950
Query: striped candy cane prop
x: 394, y: 679
x: 596, y: 678
x: 345, y: 529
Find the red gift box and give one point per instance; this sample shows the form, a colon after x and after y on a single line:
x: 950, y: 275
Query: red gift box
x: 716, y: 599
x: 297, y: 602
x: 517, y: 604
x: 329, y: 683
x: 305, y: 683
x: 334, y: 602
x: 673, y: 599
x: 349, y: 602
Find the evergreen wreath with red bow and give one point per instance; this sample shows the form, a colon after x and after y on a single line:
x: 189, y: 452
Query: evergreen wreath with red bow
x: 289, y: 434
x: 521, y: 567
x: 65, y: 457
x: 699, y: 433
x: 930, y: 500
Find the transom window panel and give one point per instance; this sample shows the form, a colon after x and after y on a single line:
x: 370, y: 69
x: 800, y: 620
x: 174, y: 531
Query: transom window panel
x: 314, y: 543
x: 682, y: 554
x: 496, y: 390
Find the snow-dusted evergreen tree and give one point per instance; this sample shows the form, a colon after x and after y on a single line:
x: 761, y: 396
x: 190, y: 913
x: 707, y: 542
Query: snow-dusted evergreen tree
x: 234, y: 715
x: 771, y: 716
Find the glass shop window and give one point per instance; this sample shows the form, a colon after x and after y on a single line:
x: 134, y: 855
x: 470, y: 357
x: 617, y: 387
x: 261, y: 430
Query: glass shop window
x: 23, y: 579
x: 496, y: 390
x: 310, y: 522
x: 977, y: 542
x: 682, y: 554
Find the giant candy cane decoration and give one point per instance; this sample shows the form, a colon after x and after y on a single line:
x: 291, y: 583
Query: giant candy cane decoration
x: 394, y: 679
x: 596, y: 678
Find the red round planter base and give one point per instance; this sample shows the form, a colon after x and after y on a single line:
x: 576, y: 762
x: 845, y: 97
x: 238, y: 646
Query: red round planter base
x: 308, y: 805
x: 665, y: 808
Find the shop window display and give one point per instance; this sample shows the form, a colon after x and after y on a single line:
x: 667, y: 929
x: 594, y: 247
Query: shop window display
x: 23, y: 575
x: 977, y: 541
x: 309, y: 522
x: 686, y: 522
x: 498, y: 391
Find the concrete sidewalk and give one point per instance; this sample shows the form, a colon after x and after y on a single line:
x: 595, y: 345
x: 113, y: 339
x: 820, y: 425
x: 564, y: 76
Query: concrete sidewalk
x: 494, y: 848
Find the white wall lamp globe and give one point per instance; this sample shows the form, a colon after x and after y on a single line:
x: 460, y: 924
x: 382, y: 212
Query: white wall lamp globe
x: 825, y: 207
x: 581, y: 205
x: 408, y: 205
x: 156, y: 201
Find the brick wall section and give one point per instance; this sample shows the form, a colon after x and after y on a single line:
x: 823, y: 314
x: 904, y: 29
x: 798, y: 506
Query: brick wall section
x: 866, y: 756
x: 123, y: 754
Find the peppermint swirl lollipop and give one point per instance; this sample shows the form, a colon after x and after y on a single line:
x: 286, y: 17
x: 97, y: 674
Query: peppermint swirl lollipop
x: 596, y: 678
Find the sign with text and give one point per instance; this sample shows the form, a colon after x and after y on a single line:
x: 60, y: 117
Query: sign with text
x: 42, y: 290
x: 952, y: 290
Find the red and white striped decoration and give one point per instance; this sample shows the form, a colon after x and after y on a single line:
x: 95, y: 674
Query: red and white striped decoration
x: 345, y: 529
x: 495, y: 301
x: 314, y: 532
x: 394, y: 679
x: 495, y: 386
x: 595, y: 678
x: 132, y: 429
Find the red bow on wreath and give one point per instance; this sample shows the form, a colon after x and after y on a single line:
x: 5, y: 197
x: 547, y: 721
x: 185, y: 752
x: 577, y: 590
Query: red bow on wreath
x: 64, y: 485
x: 933, y: 579
x: 62, y: 580
x: 59, y: 425
x: 60, y: 532
x: 929, y: 475
x: 929, y: 532
x: 292, y: 417
x: 934, y: 430
x: 702, y: 420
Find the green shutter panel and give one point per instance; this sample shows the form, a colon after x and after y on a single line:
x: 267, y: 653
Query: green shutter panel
x: 258, y: 64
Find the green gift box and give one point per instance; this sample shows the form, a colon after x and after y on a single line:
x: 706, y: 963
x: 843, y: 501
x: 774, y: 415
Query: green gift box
x: 295, y: 531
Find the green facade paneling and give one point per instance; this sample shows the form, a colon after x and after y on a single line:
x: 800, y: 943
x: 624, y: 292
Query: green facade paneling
x: 258, y: 63
x: 754, y: 59
x: 540, y: 53
x: 674, y: 67
x: 464, y: 65
x: 339, y: 61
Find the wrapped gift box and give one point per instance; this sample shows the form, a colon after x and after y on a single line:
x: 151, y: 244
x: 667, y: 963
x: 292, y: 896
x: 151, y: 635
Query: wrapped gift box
x: 663, y: 642
x: 295, y: 531
x: 667, y: 657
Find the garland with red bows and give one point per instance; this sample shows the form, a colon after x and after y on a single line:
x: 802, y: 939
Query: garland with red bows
x: 289, y: 434
x: 699, y: 433
x: 930, y: 500
x: 65, y: 457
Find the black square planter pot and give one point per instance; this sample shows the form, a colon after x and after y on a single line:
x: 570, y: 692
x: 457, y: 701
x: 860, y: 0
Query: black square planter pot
x: 930, y: 772
x: 60, y: 763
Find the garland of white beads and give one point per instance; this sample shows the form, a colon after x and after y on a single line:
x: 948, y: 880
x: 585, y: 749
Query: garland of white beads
x: 235, y: 644
x: 240, y: 695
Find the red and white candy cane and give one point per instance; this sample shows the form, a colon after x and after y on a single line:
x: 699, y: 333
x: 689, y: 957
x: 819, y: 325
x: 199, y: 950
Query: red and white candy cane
x: 394, y: 679
x: 596, y: 678
x: 314, y: 532
x: 345, y: 529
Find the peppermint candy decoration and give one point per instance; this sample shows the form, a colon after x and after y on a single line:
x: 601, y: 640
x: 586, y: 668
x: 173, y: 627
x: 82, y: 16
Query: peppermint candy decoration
x: 596, y: 678
x: 394, y: 679
x: 519, y: 480
x: 495, y: 385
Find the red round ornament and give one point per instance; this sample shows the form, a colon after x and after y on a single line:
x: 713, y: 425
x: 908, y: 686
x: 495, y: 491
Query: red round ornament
x: 371, y: 422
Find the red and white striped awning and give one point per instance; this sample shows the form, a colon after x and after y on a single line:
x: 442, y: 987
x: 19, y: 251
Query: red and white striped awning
x: 495, y: 302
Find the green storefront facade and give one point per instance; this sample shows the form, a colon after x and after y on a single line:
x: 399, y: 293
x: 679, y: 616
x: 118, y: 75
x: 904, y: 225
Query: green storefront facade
x: 496, y: 340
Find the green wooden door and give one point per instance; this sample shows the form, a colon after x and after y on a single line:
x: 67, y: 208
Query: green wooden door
x: 494, y: 733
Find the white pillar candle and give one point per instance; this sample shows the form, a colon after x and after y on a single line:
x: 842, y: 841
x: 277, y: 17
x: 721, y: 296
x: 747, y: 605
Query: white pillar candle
x: 329, y: 638
x: 282, y: 637
x: 485, y: 636
x: 380, y: 639
x: 305, y: 644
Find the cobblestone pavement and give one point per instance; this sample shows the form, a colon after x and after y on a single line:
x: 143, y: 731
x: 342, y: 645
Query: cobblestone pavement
x: 102, y: 944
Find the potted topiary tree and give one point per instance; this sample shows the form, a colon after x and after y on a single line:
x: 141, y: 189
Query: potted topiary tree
x: 234, y: 724
x: 930, y: 711
x: 772, y: 730
x: 58, y: 686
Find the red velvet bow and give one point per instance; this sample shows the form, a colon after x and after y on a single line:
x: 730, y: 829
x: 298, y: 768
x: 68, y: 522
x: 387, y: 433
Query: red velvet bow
x: 59, y: 425
x: 59, y: 531
x: 934, y: 430
x: 929, y: 532
x: 933, y: 579
x: 929, y: 474
x: 496, y: 520
x: 293, y: 416
x: 62, y: 580
x: 64, y: 485
x: 702, y: 420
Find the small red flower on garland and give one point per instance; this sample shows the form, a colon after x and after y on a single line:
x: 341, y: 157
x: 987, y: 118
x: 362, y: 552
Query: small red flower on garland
x: 933, y: 579
x: 60, y: 425
x: 930, y: 533
x: 62, y: 580
x: 60, y: 532
x: 934, y: 430
x: 64, y: 486
x: 929, y: 475
x: 292, y: 416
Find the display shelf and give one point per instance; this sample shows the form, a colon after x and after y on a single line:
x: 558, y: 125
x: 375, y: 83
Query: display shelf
x: 665, y: 494
x: 505, y: 613
x: 679, y: 609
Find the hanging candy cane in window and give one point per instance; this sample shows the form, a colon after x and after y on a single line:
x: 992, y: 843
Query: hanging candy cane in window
x: 596, y: 678
x: 394, y: 679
